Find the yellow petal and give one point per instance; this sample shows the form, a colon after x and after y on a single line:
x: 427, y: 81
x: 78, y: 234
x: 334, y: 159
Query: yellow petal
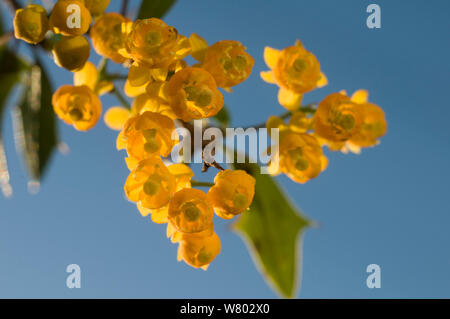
x: 133, y: 91
x: 138, y: 75
x: 268, y: 76
x: 323, y: 81
x: 199, y: 47
x: 88, y: 76
x: 271, y: 56
x: 289, y: 99
x: 360, y: 96
x: 116, y: 117
x: 144, y: 211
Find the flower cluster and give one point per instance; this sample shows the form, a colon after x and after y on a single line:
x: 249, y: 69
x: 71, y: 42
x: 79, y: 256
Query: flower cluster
x: 165, y: 90
x: 340, y: 122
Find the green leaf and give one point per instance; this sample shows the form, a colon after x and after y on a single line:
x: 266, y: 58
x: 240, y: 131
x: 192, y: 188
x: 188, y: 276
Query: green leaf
x: 11, y: 68
x: 155, y: 8
x: 223, y: 117
x: 36, y: 133
x: 271, y: 230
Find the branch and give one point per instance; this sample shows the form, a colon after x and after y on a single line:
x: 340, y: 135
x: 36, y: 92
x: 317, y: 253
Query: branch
x: 124, y: 9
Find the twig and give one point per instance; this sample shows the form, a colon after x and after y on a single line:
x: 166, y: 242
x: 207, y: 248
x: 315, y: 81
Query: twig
x: 121, y: 98
x: 124, y: 9
x: 201, y: 184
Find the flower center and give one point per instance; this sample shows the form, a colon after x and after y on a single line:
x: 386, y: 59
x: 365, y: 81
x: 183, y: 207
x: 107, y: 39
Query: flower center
x: 300, y: 162
x: 204, y: 256
x: 299, y: 65
x: 151, y: 186
x: 153, y: 38
x: 240, y: 201
x: 151, y: 144
x: 75, y: 114
x: 191, y: 212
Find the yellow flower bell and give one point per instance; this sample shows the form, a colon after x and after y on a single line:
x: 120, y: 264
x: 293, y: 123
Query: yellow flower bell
x: 295, y: 70
x: 150, y: 184
x: 153, y: 43
x: 31, y: 24
x: 146, y: 135
x: 190, y: 212
x: 232, y: 193
x: 300, y: 157
x: 228, y: 63
x: 107, y: 36
x: 71, y: 53
x: 193, y: 94
x: 70, y: 18
x: 77, y: 106
x: 199, y: 251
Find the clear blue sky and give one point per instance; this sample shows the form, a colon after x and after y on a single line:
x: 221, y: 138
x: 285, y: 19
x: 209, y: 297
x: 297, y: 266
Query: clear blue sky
x: 389, y: 206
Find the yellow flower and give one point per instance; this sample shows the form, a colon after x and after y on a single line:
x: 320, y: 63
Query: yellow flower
x: 199, y: 252
x: 347, y: 124
x: 96, y: 7
x: 107, y: 36
x: 31, y: 24
x: 299, y: 156
x: 232, y: 193
x: 89, y: 76
x: 295, y: 70
x: 183, y: 175
x: 70, y: 17
x: 150, y: 184
x: 72, y: 53
x: 228, y: 63
x: 153, y: 43
x: 337, y: 118
x: 77, y: 106
x: 190, y: 212
x: 193, y: 94
x: 146, y: 135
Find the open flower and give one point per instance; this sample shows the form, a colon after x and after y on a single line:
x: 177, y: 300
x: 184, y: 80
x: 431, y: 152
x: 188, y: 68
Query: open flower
x: 77, y: 106
x: 193, y: 94
x: 349, y: 123
x: 107, y: 36
x: 146, y: 135
x: 295, y: 70
x: 150, y: 184
x: 228, y: 63
x: 31, y: 24
x: 199, y: 251
x: 299, y: 156
x: 190, y: 212
x: 232, y: 193
x: 153, y: 43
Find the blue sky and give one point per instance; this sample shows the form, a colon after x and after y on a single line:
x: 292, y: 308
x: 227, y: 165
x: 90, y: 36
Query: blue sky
x: 388, y: 206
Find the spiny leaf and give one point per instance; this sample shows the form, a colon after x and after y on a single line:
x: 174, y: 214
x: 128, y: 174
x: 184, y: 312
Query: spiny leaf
x: 155, y: 8
x: 36, y: 133
x: 271, y: 229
